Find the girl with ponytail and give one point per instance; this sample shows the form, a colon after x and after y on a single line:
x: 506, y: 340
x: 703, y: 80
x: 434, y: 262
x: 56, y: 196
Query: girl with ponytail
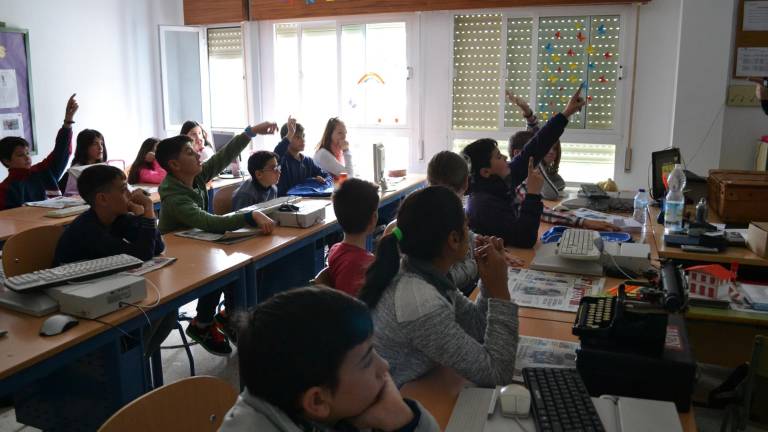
x: 421, y: 318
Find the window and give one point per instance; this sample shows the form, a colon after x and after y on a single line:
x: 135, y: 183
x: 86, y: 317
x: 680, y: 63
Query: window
x: 356, y: 71
x: 543, y: 59
x: 226, y: 72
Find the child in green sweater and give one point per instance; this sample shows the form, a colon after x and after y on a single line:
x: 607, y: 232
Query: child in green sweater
x: 184, y: 201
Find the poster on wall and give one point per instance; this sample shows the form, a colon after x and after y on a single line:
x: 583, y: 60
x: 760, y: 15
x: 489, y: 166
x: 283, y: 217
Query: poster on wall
x: 16, y: 113
x: 752, y: 62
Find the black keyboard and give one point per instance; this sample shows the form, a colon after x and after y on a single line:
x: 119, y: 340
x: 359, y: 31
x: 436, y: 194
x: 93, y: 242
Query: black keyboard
x: 560, y: 401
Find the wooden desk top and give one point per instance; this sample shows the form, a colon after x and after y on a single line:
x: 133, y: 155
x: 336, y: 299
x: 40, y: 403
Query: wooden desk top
x: 439, y: 390
x: 741, y: 255
x: 197, y: 264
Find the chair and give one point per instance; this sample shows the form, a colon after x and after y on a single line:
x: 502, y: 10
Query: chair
x: 30, y: 250
x: 323, y: 277
x: 190, y: 404
x: 222, y: 199
x: 750, y: 397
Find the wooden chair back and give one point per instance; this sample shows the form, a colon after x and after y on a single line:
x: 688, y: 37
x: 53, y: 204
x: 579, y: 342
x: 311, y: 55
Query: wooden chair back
x: 30, y: 250
x: 323, y: 277
x: 222, y: 199
x: 194, y: 404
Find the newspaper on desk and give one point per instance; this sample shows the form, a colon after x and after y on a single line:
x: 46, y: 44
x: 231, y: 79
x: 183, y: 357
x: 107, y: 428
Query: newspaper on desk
x: 57, y: 202
x: 626, y: 224
x: 541, y: 352
x: 556, y: 291
x: 228, y: 237
x: 153, y: 264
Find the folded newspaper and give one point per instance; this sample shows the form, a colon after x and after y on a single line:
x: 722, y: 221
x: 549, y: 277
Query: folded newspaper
x: 556, y: 291
x: 57, y: 202
x: 540, y: 352
x: 226, y: 237
x: 153, y: 264
x: 626, y: 224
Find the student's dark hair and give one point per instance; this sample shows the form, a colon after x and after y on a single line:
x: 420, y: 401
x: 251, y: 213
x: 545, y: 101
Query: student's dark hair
x: 147, y: 146
x: 191, y: 124
x: 169, y: 149
x: 284, y: 130
x: 325, y: 141
x: 426, y: 219
x: 84, y: 141
x: 96, y: 179
x: 479, y: 153
x: 8, y: 146
x: 297, y: 340
x: 258, y: 161
x: 354, y: 203
x: 519, y: 140
x: 448, y: 169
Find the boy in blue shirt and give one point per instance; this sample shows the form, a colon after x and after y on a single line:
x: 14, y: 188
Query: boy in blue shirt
x: 265, y: 173
x: 295, y: 167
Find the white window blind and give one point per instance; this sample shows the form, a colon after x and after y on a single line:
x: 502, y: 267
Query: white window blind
x: 477, y: 58
x: 519, y: 46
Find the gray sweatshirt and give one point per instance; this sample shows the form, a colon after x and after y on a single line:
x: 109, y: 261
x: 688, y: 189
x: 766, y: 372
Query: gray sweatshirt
x: 422, y: 321
x: 328, y: 162
x: 254, y: 414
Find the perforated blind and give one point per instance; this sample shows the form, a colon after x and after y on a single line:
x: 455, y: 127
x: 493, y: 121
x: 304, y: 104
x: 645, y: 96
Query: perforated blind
x: 477, y: 58
x: 225, y: 42
x: 519, y: 45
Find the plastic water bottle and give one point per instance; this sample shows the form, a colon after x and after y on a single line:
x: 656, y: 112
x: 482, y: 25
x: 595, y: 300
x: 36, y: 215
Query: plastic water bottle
x: 675, y: 201
x: 641, y: 206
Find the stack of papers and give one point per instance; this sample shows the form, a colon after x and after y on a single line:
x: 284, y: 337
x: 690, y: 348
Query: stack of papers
x: 755, y: 295
x: 626, y: 224
x: 57, y: 203
x: 227, y: 237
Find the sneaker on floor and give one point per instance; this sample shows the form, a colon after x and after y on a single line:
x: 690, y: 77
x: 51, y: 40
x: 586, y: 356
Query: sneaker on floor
x: 225, y: 327
x: 209, y: 338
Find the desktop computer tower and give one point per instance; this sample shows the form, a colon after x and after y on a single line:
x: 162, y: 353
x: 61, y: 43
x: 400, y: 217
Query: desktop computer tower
x: 668, y: 377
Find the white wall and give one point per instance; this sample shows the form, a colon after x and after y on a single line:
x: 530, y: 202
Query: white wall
x: 106, y: 51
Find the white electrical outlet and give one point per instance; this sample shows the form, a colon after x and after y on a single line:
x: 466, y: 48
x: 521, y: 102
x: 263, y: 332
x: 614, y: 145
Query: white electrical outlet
x: 742, y: 95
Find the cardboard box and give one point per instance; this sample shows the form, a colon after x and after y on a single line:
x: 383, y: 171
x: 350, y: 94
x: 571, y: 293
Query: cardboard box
x: 757, y: 238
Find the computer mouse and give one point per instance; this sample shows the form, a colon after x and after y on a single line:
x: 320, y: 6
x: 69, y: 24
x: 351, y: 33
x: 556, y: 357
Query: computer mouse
x: 288, y: 208
x: 56, y: 324
x: 515, y: 401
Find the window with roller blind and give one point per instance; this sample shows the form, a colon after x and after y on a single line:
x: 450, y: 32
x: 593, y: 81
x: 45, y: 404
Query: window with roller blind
x: 543, y: 59
x: 226, y: 78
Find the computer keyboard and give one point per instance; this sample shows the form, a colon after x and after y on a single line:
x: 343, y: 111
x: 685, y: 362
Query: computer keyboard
x: 67, y: 211
x: 560, y: 401
x: 471, y: 410
x: 578, y: 244
x: 71, y: 272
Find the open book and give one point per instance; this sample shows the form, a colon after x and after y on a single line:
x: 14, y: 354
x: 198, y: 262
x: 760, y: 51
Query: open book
x: 626, y: 414
x: 227, y: 237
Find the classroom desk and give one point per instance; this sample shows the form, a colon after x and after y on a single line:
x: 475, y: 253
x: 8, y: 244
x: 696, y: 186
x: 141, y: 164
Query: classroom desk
x: 741, y: 255
x: 439, y: 390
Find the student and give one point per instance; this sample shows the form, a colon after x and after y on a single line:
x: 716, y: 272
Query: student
x: 332, y: 153
x: 448, y: 169
x: 491, y: 207
x: 356, y: 204
x: 108, y: 228
x: 297, y: 378
x: 265, y: 173
x: 184, y: 201
x: 551, y: 163
x: 27, y: 182
x: 90, y: 150
x: 422, y: 320
x: 199, y: 137
x: 145, y: 169
x: 295, y: 167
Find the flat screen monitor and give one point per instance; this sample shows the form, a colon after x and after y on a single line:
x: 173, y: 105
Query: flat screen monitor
x: 221, y: 138
x: 662, y: 163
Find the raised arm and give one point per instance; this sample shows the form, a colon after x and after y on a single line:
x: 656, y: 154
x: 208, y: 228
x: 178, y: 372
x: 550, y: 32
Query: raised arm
x: 57, y: 160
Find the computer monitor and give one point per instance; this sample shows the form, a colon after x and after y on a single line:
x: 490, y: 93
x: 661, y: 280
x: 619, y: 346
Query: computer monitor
x: 662, y: 163
x: 221, y: 138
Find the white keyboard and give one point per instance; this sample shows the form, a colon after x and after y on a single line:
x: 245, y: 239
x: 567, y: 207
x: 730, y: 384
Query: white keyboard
x: 579, y: 244
x: 70, y: 272
x: 472, y: 410
x: 67, y: 211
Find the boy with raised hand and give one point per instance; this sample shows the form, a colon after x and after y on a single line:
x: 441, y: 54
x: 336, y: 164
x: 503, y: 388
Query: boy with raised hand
x: 27, y: 182
x: 308, y: 364
x: 491, y: 207
x: 184, y: 205
x: 265, y: 173
x: 356, y: 204
x: 118, y: 222
x: 295, y: 167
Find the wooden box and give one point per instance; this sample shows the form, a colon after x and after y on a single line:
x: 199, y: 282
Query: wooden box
x: 738, y: 196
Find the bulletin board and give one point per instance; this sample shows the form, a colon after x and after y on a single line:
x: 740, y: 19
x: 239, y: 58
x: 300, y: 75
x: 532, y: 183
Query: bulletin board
x: 16, y: 113
x: 750, y: 54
